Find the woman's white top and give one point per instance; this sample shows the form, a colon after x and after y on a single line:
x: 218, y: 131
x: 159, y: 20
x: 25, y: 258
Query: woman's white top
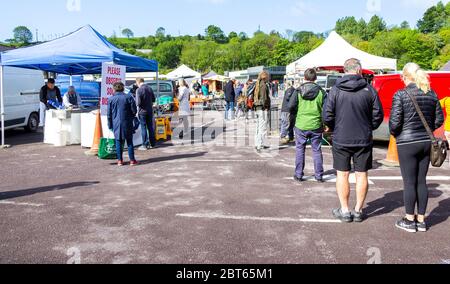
x: 184, y: 97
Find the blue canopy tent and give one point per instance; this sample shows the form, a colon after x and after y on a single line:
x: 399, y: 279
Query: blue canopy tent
x: 81, y: 52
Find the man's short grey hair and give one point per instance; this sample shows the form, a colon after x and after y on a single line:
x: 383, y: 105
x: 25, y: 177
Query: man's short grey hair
x: 353, y: 66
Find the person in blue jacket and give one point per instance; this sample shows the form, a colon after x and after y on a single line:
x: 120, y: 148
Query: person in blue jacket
x: 122, y: 110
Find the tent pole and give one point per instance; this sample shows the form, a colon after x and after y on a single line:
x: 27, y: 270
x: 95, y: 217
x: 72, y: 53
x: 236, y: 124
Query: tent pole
x: 70, y: 80
x: 2, y: 107
x: 157, y: 89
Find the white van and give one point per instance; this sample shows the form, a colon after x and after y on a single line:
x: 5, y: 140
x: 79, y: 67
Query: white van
x: 21, y: 97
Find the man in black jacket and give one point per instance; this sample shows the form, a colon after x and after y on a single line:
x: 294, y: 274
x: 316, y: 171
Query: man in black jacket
x: 230, y: 98
x: 49, y: 92
x: 145, y: 98
x: 287, y: 116
x: 353, y: 111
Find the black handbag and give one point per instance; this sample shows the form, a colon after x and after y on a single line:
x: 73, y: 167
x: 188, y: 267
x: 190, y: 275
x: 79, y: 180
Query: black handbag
x: 438, y: 146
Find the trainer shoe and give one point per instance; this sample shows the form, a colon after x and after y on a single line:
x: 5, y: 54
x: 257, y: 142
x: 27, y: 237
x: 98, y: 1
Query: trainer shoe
x: 299, y: 179
x: 143, y: 148
x: 134, y: 163
x: 406, y: 225
x: 422, y: 227
x: 358, y: 217
x: 343, y: 217
x: 120, y: 163
x: 284, y: 141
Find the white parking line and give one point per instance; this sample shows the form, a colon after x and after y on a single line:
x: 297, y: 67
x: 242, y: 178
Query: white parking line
x: 226, y: 161
x: 20, y: 203
x: 394, y: 178
x: 213, y: 216
x: 331, y: 179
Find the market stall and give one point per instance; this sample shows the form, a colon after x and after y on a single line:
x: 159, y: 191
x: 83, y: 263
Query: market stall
x: 334, y: 52
x: 216, y: 83
x: 81, y: 52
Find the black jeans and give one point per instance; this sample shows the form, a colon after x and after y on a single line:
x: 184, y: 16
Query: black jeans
x: 415, y: 163
x: 148, y: 131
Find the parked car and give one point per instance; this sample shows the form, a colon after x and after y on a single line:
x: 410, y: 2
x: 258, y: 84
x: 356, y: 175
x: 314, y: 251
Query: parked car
x: 165, y: 98
x: 89, y: 91
x: 21, y: 98
x: 388, y: 85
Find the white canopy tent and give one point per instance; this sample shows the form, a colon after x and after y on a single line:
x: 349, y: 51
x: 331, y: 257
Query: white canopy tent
x: 183, y: 72
x: 446, y: 67
x: 334, y: 52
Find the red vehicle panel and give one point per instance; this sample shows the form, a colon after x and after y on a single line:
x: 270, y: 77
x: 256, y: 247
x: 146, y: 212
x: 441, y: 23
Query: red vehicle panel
x: 388, y: 85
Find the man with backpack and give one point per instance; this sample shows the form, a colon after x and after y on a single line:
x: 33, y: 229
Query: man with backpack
x: 308, y: 101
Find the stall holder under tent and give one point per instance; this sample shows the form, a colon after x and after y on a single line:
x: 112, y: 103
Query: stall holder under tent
x: 80, y: 53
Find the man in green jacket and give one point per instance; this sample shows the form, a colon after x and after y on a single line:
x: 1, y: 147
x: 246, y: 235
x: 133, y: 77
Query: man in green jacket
x: 309, y: 101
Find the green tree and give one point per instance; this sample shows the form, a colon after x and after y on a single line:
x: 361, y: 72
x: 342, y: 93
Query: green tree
x: 375, y: 25
x: 406, y: 46
x: 200, y: 55
x: 127, y: 33
x: 361, y: 30
x: 160, y: 33
x: 243, y: 36
x: 259, y: 50
x: 22, y: 35
x: 405, y: 25
x: 233, y: 55
x: 216, y: 34
x: 434, y: 19
x: 281, y: 53
x: 232, y: 35
x: 347, y: 25
x: 302, y: 37
x: 168, y: 53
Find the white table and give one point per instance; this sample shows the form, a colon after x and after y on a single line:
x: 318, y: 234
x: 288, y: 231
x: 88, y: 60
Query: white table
x: 62, y: 127
x: 88, y: 121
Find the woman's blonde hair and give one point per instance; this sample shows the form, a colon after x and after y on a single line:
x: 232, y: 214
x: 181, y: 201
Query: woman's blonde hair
x: 182, y: 83
x: 413, y: 72
x: 263, y: 76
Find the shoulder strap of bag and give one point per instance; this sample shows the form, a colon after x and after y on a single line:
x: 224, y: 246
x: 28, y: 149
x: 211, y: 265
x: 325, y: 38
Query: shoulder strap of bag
x: 422, y: 116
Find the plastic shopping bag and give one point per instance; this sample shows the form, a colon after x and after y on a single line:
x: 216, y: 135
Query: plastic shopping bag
x: 107, y: 149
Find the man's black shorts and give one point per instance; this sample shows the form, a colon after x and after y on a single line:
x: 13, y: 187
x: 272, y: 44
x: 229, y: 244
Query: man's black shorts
x: 362, y: 158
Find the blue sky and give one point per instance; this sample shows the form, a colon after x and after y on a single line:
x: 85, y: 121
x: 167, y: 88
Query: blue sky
x: 57, y: 17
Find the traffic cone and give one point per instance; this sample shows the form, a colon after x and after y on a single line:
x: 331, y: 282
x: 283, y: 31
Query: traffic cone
x: 98, y: 135
x: 392, y: 159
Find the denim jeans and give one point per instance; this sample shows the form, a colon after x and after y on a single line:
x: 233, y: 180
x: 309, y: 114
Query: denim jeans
x: 301, y: 139
x: 287, y: 125
x: 229, y: 111
x: 120, y: 144
x: 148, y: 132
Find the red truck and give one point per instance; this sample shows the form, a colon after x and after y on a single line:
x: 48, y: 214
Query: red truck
x: 388, y: 85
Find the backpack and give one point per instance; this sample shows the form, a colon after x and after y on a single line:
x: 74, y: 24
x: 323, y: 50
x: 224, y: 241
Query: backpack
x: 251, y: 95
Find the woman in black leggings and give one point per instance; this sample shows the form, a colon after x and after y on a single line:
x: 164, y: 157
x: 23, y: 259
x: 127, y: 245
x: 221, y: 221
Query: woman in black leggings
x: 414, y: 143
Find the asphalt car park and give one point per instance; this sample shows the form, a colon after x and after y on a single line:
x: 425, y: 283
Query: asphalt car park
x: 208, y: 200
